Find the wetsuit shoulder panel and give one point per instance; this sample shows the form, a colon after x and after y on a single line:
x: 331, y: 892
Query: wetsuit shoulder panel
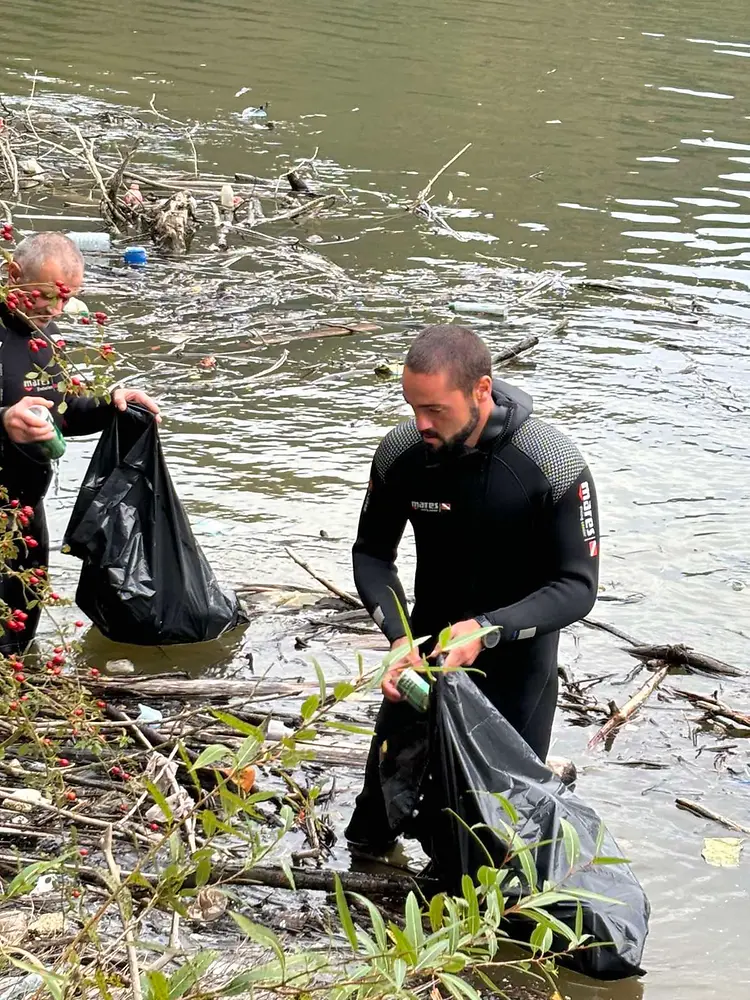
x: 395, y: 444
x: 552, y: 452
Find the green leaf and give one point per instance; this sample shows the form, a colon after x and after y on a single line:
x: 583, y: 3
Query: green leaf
x: 414, y: 930
x: 157, y: 985
x: 571, y: 842
x: 55, y: 984
x: 464, y: 640
x: 406, y: 949
x: 309, y: 707
x: 349, y: 727
x: 62, y: 407
x: 437, y: 907
x: 305, y: 735
x: 458, y: 988
x: 238, y: 725
x: 526, y: 860
x: 159, y: 799
x: 578, y: 929
x: 208, y: 822
x: 603, y: 860
x: 189, y: 973
x: 404, y: 620
x: 248, y: 751
x: 509, y: 808
x: 287, y: 870
x: 213, y: 753
x: 262, y: 936
x: 342, y: 690
x: 376, y: 918
x: 470, y: 895
x: 445, y: 637
x: 345, y: 916
x: 541, y: 939
x: 321, y: 680
x: 600, y: 838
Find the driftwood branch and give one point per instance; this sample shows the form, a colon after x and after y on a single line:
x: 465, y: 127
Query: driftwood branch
x: 621, y: 715
x: 714, y: 708
x: 513, y: 350
x: 683, y: 656
x: 704, y: 813
x: 127, y: 923
x: 348, y: 598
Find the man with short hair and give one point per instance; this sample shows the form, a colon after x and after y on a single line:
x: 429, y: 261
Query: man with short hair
x: 504, y: 515
x: 45, y: 269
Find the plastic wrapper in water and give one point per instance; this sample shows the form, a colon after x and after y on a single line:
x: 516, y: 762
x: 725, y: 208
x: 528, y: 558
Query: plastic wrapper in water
x: 144, y: 579
x: 454, y: 766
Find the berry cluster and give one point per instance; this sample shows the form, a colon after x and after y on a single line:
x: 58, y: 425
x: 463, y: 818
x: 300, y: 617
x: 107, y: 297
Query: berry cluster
x: 37, y: 344
x: 6, y: 233
x: 17, y: 622
x: 63, y: 290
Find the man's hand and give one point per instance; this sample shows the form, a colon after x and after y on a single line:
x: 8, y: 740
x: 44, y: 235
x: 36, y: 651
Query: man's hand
x: 23, y: 427
x: 465, y: 654
x: 121, y: 398
x: 411, y: 658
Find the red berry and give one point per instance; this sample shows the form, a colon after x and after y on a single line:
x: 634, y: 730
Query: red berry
x: 94, y: 672
x: 63, y: 761
x: 14, y: 503
x: 78, y: 711
x: 101, y: 704
x: 124, y: 807
x: 75, y: 893
x: 126, y: 776
x: 58, y: 649
x: 39, y: 571
x: 57, y: 671
x: 27, y: 511
x: 20, y: 615
x: 154, y: 826
x: 71, y: 796
x: 79, y: 624
x: 84, y: 852
x: 33, y: 581
x: 85, y: 320
x: 31, y: 542
x: 116, y: 771
x: 57, y: 660
x: 24, y: 521
x: 35, y: 293
x: 24, y: 697
x: 13, y: 705
x: 75, y: 381
x: 54, y: 597
x: 20, y: 678
x: 34, y: 346
x: 47, y: 741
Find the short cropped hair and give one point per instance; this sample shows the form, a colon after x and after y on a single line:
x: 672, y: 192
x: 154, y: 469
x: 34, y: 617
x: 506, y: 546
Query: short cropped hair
x: 454, y: 349
x: 34, y: 250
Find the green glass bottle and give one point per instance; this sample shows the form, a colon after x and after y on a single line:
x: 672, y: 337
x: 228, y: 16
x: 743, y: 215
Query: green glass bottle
x: 54, y: 446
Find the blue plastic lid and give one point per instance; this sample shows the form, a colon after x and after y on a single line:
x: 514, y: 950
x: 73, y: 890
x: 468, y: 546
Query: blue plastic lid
x: 135, y: 255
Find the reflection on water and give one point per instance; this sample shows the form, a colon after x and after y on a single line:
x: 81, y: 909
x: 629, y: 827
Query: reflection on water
x: 609, y: 141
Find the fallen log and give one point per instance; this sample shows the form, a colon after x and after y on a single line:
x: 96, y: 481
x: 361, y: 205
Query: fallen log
x: 684, y: 656
x: 209, y: 688
x: 621, y: 715
x: 704, y: 813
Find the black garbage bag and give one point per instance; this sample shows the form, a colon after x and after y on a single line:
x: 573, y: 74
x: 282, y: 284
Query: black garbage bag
x: 476, y: 755
x: 144, y: 579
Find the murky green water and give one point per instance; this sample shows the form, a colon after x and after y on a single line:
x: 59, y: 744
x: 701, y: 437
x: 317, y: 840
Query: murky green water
x: 608, y: 141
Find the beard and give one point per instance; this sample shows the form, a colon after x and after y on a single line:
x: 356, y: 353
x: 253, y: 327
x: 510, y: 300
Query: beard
x: 454, y: 444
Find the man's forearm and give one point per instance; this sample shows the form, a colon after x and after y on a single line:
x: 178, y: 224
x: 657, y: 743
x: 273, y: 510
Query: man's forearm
x: 382, y: 592
x: 552, y: 607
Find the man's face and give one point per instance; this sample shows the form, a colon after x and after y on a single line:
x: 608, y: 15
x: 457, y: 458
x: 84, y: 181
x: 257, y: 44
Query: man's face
x: 445, y: 416
x: 49, y: 304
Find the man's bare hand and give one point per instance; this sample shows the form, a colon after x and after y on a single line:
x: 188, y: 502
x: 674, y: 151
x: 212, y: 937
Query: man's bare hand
x: 24, y: 427
x: 465, y: 654
x: 411, y: 658
x: 121, y: 398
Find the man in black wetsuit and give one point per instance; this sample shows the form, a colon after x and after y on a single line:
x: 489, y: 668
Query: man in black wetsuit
x: 42, y: 264
x: 504, y: 515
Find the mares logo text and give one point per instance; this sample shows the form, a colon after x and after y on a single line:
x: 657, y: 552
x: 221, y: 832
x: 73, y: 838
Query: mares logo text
x: 588, y: 528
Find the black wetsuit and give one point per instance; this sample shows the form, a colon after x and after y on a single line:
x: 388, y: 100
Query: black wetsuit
x: 25, y: 471
x: 508, y: 530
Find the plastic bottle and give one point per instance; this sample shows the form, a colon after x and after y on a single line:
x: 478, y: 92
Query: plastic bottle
x: 55, y: 446
x: 414, y: 689
x: 135, y: 256
x: 91, y: 242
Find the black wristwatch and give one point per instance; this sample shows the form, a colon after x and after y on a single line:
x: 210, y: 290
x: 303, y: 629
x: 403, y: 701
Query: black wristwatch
x: 491, y: 639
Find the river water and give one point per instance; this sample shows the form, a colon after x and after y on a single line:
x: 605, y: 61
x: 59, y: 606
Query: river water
x: 609, y: 141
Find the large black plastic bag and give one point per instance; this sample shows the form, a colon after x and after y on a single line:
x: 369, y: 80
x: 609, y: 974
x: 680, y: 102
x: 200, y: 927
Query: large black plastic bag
x: 144, y: 579
x: 473, y: 747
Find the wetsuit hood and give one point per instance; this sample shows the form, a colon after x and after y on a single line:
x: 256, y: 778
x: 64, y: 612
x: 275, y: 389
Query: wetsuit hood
x: 512, y: 407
